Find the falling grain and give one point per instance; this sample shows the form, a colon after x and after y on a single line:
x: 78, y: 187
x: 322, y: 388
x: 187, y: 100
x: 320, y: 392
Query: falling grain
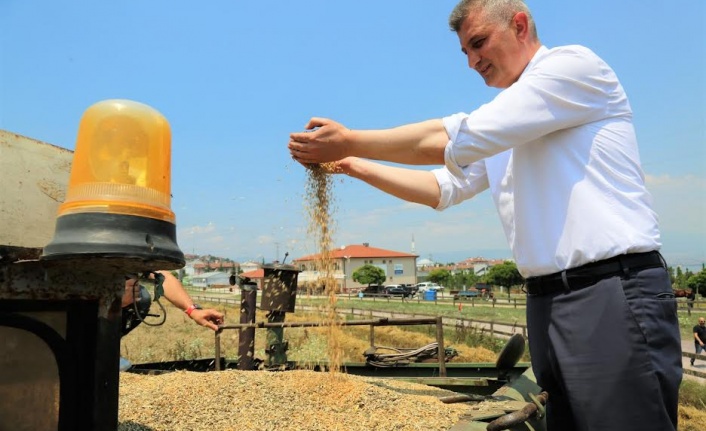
x: 319, y: 204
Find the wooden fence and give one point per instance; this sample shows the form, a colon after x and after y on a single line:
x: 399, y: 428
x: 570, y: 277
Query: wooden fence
x: 492, y: 328
x: 698, y: 305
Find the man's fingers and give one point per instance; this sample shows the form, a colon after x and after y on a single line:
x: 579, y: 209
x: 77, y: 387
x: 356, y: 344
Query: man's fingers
x: 211, y: 322
x: 316, y: 122
x: 299, y: 152
x: 297, y: 146
x: 302, y: 159
x: 303, y: 137
x: 300, y: 162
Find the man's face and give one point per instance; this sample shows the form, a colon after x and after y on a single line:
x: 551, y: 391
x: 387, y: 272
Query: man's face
x: 702, y: 322
x: 494, y: 49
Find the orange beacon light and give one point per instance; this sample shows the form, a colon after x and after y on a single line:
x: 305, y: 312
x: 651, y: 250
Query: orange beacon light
x: 118, y: 202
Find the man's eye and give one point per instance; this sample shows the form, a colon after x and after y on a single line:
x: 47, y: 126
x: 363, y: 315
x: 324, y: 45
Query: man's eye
x: 478, y: 43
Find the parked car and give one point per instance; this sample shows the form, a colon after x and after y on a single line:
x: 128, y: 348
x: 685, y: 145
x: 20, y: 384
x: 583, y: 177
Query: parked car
x: 374, y: 290
x: 467, y: 294
x: 398, y: 290
x: 413, y: 289
x: 428, y: 285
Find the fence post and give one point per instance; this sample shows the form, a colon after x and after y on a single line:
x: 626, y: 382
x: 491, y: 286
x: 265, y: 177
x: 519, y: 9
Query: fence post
x: 440, y: 345
x: 218, y: 350
x: 372, y: 335
x: 492, y: 329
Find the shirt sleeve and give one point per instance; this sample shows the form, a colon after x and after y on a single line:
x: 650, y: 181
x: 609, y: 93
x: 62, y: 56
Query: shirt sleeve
x: 456, y: 188
x: 565, y: 89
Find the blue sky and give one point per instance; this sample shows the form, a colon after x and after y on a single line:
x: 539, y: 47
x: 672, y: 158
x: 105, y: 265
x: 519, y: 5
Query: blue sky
x: 234, y: 78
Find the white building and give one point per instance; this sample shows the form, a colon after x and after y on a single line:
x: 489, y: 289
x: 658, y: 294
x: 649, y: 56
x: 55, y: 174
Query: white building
x: 211, y: 279
x: 399, y: 267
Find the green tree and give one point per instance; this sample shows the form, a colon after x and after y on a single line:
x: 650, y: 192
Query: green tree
x: 697, y: 282
x: 439, y: 276
x: 466, y: 278
x: 369, y: 274
x: 681, y: 278
x: 505, y: 274
x: 470, y: 279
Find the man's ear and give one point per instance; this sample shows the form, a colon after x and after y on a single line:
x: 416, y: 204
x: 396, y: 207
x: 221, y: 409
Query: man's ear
x: 520, y: 23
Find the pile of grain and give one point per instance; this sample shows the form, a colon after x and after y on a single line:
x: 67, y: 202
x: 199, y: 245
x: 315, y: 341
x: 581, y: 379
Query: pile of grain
x: 281, y: 401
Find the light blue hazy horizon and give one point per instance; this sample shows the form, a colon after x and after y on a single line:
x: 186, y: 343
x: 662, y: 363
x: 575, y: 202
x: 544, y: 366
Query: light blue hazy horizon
x: 235, y: 78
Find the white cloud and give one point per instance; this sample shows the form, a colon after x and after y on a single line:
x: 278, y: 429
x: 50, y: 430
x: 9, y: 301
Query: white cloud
x: 265, y: 239
x: 198, y: 230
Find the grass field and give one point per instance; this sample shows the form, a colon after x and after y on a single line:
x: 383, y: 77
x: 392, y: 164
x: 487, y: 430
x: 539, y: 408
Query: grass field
x: 503, y: 312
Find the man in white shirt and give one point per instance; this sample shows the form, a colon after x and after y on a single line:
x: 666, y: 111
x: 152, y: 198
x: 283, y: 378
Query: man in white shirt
x: 558, y: 152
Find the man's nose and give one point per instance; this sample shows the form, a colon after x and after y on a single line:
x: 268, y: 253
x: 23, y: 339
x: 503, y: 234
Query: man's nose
x: 473, y: 60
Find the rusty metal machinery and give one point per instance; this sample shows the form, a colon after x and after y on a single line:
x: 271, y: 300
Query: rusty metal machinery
x: 61, y: 282
x: 279, y: 293
x: 59, y: 321
x: 246, y: 337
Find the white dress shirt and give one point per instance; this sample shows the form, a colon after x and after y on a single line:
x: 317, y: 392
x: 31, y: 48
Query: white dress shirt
x: 558, y: 151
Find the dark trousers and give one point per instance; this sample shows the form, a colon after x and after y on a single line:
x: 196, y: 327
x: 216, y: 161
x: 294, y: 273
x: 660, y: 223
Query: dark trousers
x: 608, y: 354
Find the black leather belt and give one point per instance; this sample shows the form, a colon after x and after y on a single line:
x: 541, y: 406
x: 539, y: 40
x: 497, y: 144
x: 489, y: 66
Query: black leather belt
x: 591, y: 273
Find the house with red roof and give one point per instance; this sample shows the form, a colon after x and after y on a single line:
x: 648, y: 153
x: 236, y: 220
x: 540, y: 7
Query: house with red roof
x: 399, y: 267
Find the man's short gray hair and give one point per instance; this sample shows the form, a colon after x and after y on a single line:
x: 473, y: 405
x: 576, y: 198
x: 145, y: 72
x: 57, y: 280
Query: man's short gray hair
x: 500, y: 11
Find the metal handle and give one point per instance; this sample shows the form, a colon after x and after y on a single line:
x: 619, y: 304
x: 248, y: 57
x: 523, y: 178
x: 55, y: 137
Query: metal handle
x: 535, y: 408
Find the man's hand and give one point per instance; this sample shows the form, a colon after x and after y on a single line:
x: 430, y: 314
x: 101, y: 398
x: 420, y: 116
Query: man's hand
x: 327, y: 143
x: 209, y: 318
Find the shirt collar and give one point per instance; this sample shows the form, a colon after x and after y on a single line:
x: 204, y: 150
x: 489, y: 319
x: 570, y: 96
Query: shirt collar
x: 535, y: 58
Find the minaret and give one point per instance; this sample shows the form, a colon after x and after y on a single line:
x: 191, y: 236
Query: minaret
x: 414, y: 251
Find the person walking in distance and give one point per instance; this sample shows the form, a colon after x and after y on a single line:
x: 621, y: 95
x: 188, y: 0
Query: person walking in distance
x: 699, y: 338
x: 557, y: 150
